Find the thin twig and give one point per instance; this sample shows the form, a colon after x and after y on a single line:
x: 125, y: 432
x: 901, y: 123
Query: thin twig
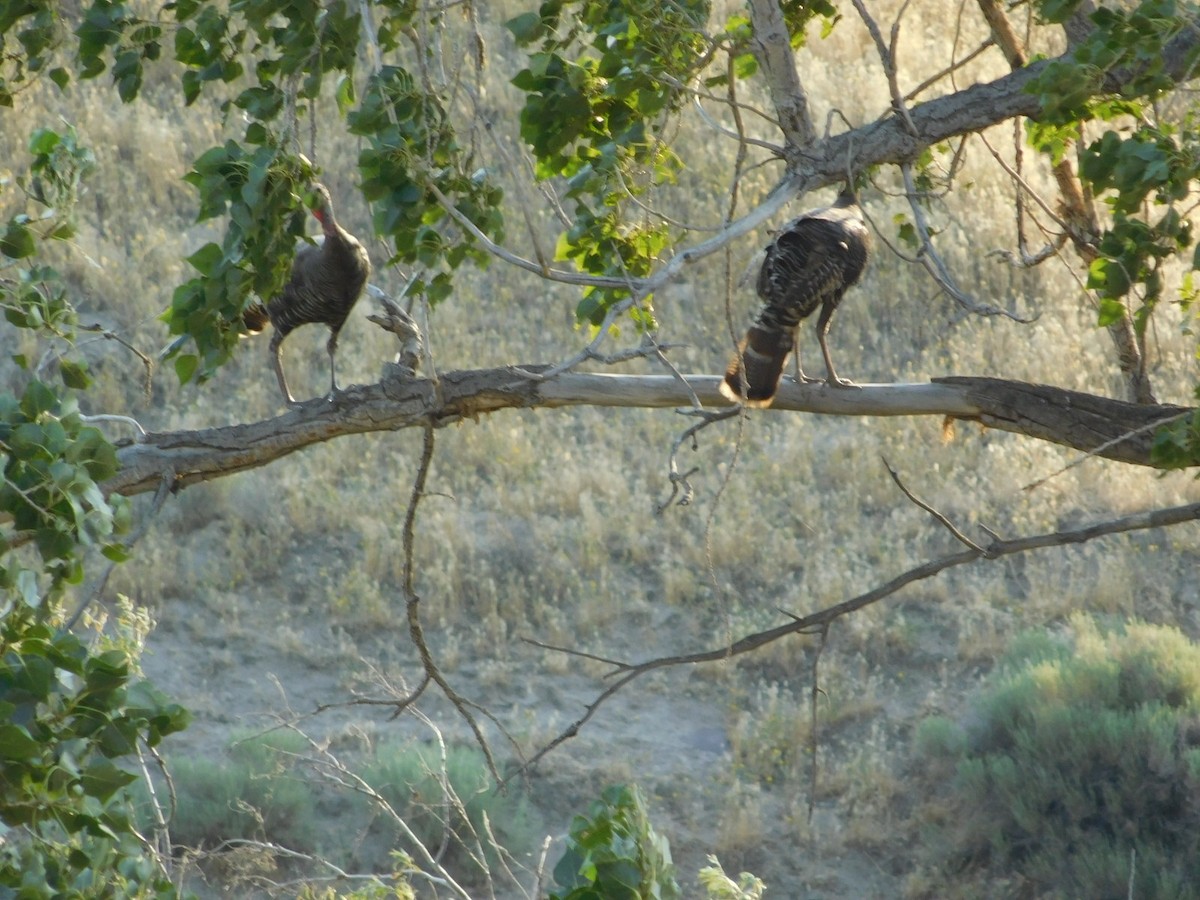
x: 569, y: 651
x: 946, y: 523
x: 166, y: 483
x: 814, y: 693
x: 936, y: 266
x: 1096, y: 451
x: 887, y: 56
x: 109, y: 417
x: 773, y: 149
x: 679, y: 483
x: 949, y: 70
x: 146, y: 361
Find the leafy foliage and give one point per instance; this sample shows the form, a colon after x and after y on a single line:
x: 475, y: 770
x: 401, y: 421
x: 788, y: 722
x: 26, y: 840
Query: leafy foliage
x: 613, y: 853
x: 257, y: 189
x: 1143, y: 172
x: 592, y: 94
x: 70, y: 713
x: 412, y: 160
x: 719, y: 886
x: 1084, y: 756
x: 52, y: 461
x: 413, y: 155
x: 602, y: 82
x: 69, y: 716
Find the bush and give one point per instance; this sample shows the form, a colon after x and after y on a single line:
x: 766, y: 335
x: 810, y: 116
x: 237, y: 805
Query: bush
x: 252, y: 792
x: 1080, y: 775
x: 448, y: 806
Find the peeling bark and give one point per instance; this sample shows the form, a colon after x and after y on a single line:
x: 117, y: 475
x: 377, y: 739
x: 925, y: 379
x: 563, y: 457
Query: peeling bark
x: 773, y: 49
x: 1112, y: 428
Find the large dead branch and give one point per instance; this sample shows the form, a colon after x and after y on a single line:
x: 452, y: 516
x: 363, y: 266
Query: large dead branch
x: 1110, y: 428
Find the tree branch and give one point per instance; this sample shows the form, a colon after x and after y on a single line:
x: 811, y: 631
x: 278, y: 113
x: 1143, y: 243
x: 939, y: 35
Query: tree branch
x: 818, y: 622
x: 972, y: 109
x: 1112, y: 428
x: 773, y: 49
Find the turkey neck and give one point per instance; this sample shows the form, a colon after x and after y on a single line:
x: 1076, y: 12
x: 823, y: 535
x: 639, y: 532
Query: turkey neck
x: 342, y: 249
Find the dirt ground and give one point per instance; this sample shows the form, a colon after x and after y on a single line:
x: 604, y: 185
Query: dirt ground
x: 248, y: 663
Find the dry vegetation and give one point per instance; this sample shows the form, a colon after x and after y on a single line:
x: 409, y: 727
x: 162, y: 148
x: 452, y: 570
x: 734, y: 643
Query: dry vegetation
x: 278, y: 590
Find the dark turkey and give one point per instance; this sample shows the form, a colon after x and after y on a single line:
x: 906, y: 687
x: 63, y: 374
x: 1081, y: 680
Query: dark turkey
x: 325, y: 283
x: 811, y: 263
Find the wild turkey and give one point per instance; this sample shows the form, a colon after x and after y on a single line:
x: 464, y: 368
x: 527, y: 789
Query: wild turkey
x: 326, y: 282
x: 811, y: 263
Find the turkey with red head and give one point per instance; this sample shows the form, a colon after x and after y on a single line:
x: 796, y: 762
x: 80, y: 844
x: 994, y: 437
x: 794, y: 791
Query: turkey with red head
x: 326, y: 281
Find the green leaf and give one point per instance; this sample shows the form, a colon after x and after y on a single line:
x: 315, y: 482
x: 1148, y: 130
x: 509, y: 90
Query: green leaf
x: 1057, y: 11
x: 1108, y: 277
x: 102, y: 779
x: 526, y: 28
x: 16, y: 744
x: 1110, y: 312
x: 206, y: 259
x: 185, y: 367
x: 344, y: 95
x: 17, y: 242
x: 74, y: 373
x: 43, y: 141
x: 116, y: 552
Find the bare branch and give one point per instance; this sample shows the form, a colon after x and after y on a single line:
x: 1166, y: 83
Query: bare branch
x: 680, y: 486
x: 814, y: 695
x: 146, y: 361
x: 413, y: 600
x: 569, y: 651
x: 773, y: 48
x: 936, y: 266
x: 1071, y: 418
x: 887, y: 56
x: 107, y: 417
x: 396, y: 320
x: 949, y: 526
x: 815, y: 623
x: 948, y: 71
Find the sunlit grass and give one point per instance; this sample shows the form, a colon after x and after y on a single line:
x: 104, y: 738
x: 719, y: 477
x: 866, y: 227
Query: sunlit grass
x: 541, y: 524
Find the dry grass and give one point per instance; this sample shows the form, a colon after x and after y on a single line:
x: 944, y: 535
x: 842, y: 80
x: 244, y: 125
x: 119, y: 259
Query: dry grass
x: 541, y: 524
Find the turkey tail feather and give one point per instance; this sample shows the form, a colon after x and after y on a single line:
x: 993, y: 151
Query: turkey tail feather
x: 753, y: 374
x: 255, y: 318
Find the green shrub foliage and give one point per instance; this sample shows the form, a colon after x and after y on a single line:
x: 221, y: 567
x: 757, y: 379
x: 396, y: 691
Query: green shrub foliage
x: 1079, y: 775
x: 452, y: 804
x: 251, y: 792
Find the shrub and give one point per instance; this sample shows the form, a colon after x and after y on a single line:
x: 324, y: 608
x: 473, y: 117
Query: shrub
x: 251, y: 792
x: 1080, y: 774
x: 448, y: 805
